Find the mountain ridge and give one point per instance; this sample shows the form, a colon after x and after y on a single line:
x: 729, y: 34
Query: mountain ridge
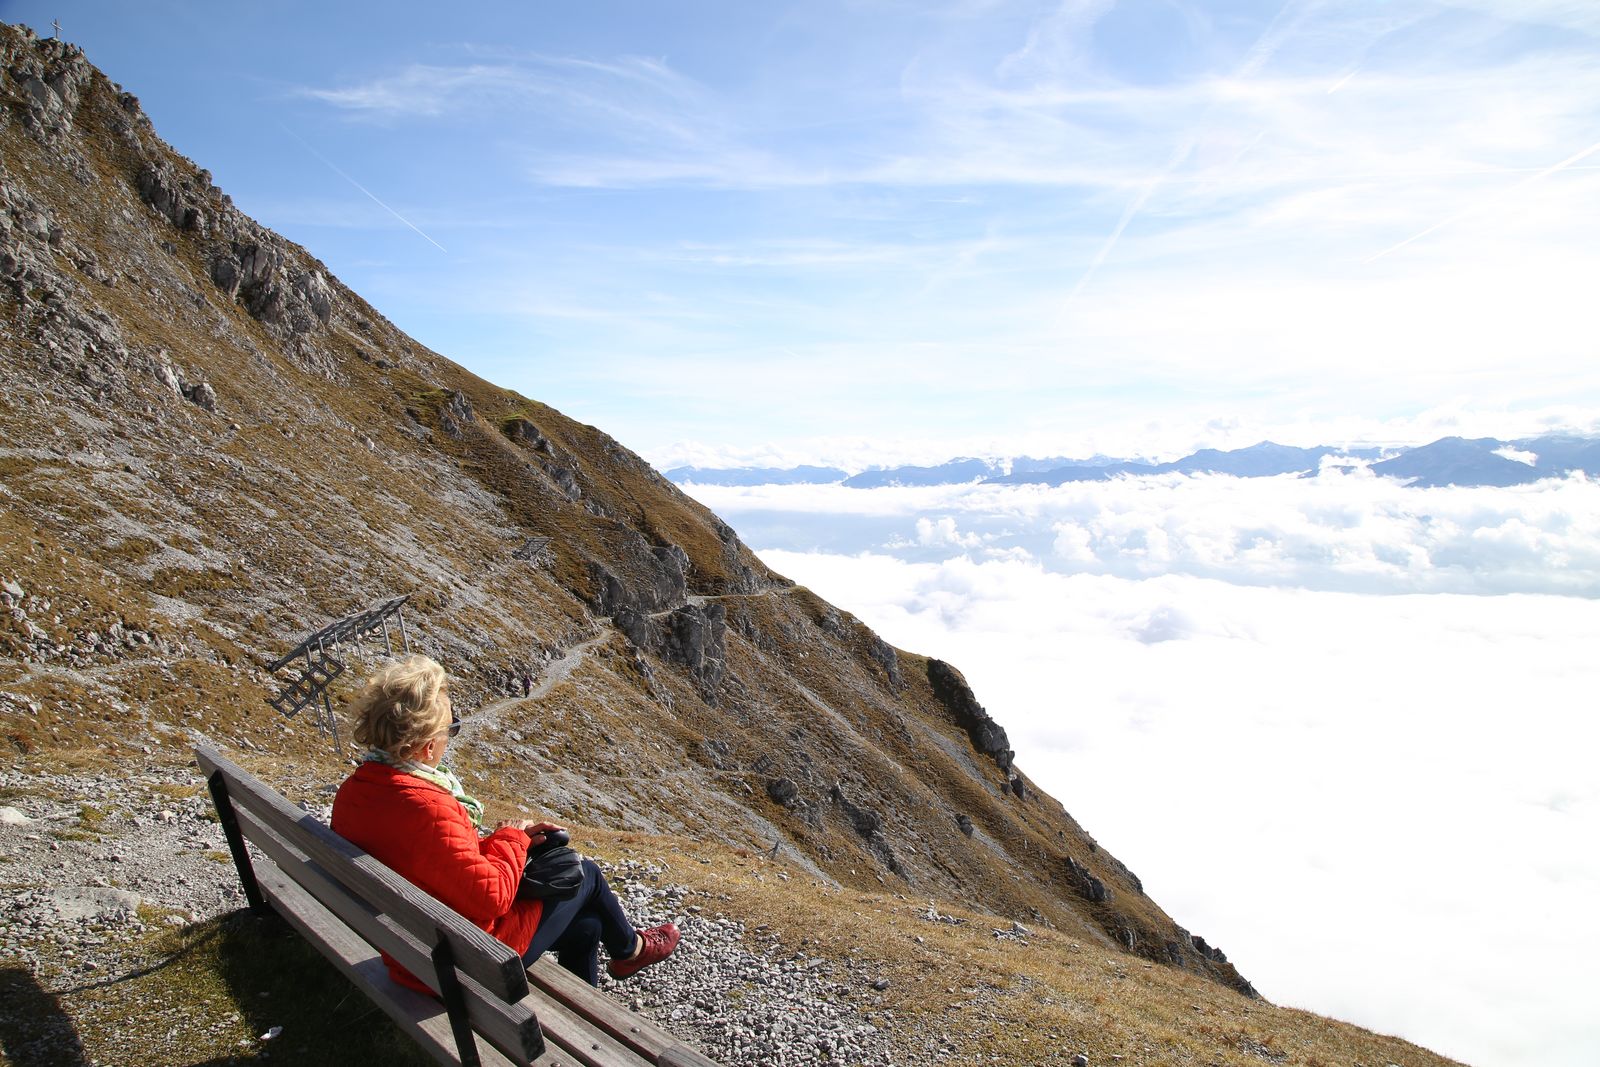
x: 1475, y: 463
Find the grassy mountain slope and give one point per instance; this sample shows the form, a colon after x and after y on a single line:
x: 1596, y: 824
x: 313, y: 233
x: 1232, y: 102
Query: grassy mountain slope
x: 210, y: 447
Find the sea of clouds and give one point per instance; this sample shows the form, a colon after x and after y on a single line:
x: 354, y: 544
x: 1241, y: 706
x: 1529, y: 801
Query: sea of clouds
x: 1342, y: 728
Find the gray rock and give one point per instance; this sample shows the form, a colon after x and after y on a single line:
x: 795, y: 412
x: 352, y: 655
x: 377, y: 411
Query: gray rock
x: 455, y: 415
x: 13, y: 817
x: 202, y: 395
x: 884, y: 655
x: 94, y: 905
x: 783, y: 790
x: 313, y: 289
x: 169, y: 378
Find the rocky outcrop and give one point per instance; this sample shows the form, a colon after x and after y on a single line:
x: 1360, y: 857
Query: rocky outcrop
x: 651, y: 611
x: 657, y: 579
x: 455, y: 414
x: 52, y: 76
x: 733, y: 557
x: 884, y: 655
x: 696, y: 639
x: 869, y: 824
x: 784, y: 791
x: 551, y: 460
x: 987, y: 736
x: 1088, y: 886
x: 1210, y: 952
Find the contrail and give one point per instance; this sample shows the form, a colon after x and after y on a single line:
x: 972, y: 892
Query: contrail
x: 1128, y: 213
x: 1491, y: 200
x: 329, y: 163
x: 1342, y: 82
x: 1266, y: 46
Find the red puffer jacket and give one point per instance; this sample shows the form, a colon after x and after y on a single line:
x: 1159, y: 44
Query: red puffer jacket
x: 423, y: 834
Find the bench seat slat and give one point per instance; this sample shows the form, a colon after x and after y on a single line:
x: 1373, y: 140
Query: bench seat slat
x: 642, y: 1036
x: 584, y: 1044
x: 349, y: 905
x: 479, y: 955
x: 422, y: 1017
x: 575, y: 1031
x: 511, y: 1027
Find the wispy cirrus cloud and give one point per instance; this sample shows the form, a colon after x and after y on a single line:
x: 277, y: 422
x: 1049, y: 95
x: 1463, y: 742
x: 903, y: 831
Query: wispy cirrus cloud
x: 1281, y: 208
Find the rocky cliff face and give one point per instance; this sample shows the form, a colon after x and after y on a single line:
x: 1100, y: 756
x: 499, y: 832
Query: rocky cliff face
x: 211, y: 447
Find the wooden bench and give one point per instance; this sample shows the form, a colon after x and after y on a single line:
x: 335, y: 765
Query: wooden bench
x: 490, y: 1010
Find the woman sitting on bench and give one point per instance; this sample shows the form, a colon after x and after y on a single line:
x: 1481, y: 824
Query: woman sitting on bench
x: 411, y: 813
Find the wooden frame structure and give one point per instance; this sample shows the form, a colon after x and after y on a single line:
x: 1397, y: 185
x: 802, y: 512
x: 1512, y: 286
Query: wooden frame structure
x: 322, y: 666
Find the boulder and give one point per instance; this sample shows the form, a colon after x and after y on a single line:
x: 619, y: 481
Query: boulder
x: 783, y: 791
x: 169, y: 378
x: 202, y: 395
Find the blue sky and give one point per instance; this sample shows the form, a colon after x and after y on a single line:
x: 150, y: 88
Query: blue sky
x: 861, y: 232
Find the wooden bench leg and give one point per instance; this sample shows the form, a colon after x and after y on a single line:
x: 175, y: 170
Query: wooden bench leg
x: 241, y: 858
x: 455, y: 1001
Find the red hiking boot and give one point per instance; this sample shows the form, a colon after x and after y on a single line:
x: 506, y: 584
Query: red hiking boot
x: 659, y: 941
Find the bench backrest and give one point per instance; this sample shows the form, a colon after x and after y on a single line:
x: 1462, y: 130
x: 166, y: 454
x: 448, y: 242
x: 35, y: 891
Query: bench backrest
x: 442, y: 949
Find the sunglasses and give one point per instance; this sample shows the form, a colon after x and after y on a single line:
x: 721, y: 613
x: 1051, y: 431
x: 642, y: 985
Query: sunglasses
x: 455, y: 723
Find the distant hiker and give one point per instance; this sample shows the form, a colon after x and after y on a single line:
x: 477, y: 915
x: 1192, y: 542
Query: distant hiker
x: 527, y: 684
x: 409, y: 811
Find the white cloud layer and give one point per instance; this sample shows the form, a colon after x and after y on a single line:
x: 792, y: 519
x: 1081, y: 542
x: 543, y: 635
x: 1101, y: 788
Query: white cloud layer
x: 1274, y: 699
x: 1362, y: 799
x: 1340, y: 531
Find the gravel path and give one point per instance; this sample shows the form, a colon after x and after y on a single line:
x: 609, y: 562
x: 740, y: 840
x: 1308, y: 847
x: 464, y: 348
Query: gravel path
x: 741, y: 995
x: 553, y: 675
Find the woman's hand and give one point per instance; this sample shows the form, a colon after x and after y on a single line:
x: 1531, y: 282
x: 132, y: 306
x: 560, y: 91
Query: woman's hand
x: 534, y: 830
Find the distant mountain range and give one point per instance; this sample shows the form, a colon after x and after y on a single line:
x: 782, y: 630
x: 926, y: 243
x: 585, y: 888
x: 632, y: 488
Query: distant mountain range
x: 1447, y: 461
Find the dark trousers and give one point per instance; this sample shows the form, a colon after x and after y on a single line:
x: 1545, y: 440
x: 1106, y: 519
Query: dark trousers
x: 577, y: 926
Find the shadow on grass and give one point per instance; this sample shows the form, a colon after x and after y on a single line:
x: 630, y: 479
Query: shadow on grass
x: 209, y: 997
x: 278, y: 982
x: 34, y: 1030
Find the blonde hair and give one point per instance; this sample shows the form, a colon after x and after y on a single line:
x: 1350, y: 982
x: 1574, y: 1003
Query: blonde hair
x: 402, y: 706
